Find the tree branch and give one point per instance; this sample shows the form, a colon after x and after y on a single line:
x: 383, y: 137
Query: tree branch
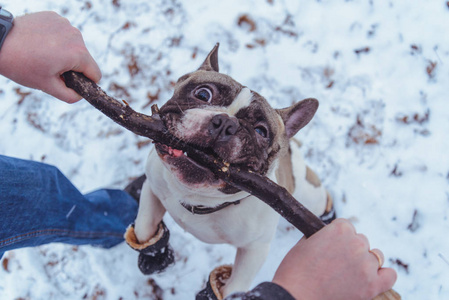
x: 153, y: 127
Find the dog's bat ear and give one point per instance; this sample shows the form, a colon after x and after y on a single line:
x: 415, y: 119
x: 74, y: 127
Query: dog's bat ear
x: 298, y: 115
x: 211, y: 61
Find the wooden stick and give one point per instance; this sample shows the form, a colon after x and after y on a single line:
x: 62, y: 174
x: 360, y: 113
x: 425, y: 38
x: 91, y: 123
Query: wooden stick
x: 153, y: 127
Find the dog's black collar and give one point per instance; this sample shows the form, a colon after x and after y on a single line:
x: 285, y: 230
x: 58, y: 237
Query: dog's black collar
x: 204, y: 210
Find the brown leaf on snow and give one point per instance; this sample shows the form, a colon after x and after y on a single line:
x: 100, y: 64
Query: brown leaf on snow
x: 261, y: 42
x: 415, y: 224
x: 157, y: 290
x: 362, y: 50
x: 430, y: 69
x: 247, y: 21
x: 415, y: 49
x: 119, y: 91
x: 421, y: 119
x: 362, y: 133
x: 287, y: 32
x: 328, y: 73
x: 400, y: 264
x: 97, y: 293
x: 110, y: 132
x: 34, y: 120
x: 195, y: 52
x: 395, y: 172
x: 415, y: 118
x: 21, y: 94
x: 175, y: 41
x: 128, y: 25
x: 133, y: 67
x: 152, y: 97
x: 87, y: 5
x: 5, y: 264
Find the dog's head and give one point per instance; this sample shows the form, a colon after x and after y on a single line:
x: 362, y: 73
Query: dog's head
x: 212, y: 111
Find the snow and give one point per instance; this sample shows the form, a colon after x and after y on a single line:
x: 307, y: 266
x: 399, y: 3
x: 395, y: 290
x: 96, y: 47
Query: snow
x: 378, y: 68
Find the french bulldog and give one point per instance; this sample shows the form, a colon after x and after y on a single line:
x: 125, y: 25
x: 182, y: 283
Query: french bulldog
x: 212, y: 111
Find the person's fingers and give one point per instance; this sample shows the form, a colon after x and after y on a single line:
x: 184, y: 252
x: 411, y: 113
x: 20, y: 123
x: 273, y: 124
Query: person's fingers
x: 387, y: 278
x: 58, y: 89
x: 379, y: 256
x: 88, y: 67
x: 344, y: 225
x: 364, y: 242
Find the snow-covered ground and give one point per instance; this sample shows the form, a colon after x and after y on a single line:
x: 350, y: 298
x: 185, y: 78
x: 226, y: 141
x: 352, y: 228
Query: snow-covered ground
x: 379, y: 140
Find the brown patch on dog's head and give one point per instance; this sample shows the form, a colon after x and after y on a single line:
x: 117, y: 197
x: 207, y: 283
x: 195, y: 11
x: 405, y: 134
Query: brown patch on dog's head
x: 312, y: 178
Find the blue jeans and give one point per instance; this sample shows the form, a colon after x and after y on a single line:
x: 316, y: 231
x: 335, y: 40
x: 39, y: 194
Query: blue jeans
x: 39, y: 205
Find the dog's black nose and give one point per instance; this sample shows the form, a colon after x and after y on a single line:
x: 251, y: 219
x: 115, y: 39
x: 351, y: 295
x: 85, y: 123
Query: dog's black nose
x: 222, y: 127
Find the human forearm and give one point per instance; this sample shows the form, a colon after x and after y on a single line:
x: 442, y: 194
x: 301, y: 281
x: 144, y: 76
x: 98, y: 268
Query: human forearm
x: 42, y: 46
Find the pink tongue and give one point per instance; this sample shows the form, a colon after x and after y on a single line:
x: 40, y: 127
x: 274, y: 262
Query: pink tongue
x: 175, y: 152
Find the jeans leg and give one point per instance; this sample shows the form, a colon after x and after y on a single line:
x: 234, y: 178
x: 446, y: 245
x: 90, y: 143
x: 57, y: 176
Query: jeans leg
x: 39, y: 205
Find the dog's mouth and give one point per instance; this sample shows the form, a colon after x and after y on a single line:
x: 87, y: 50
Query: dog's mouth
x: 186, y: 169
x: 164, y: 149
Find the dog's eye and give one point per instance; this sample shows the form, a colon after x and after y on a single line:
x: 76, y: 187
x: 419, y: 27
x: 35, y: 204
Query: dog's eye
x: 262, y: 131
x: 203, y: 94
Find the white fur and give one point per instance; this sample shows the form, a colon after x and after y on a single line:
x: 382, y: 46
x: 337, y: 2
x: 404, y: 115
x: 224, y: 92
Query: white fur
x: 242, y: 100
x: 194, y: 118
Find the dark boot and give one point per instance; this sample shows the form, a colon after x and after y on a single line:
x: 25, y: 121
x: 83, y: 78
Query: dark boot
x: 156, y: 254
x: 217, y: 279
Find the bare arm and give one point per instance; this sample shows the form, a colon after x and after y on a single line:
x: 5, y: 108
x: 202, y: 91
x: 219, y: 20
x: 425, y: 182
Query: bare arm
x: 40, y: 48
x: 334, y: 263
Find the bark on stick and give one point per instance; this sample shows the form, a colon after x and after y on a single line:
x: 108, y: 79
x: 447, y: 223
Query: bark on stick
x: 153, y: 127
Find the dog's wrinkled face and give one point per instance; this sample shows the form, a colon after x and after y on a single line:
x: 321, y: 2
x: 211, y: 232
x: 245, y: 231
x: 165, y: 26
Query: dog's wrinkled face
x: 212, y: 111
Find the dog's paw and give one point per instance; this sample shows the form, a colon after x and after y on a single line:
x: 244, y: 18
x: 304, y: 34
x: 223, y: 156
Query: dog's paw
x: 155, y: 262
x: 217, y: 279
x: 156, y: 254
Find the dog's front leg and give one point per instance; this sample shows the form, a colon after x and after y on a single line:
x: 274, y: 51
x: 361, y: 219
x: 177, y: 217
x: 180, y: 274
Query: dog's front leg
x: 149, y: 235
x: 248, y: 262
x: 150, y: 214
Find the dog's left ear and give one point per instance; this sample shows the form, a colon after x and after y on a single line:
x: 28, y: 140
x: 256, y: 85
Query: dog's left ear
x: 298, y: 115
x: 211, y: 61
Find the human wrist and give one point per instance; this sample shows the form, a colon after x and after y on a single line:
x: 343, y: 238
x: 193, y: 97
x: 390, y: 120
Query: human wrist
x: 6, y: 24
x: 5, y: 43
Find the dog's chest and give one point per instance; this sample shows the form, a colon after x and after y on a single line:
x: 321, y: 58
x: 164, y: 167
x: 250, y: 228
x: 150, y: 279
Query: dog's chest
x: 238, y: 224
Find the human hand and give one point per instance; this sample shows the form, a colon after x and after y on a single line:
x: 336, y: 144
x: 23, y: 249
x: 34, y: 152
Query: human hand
x: 42, y: 46
x: 335, y: 263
